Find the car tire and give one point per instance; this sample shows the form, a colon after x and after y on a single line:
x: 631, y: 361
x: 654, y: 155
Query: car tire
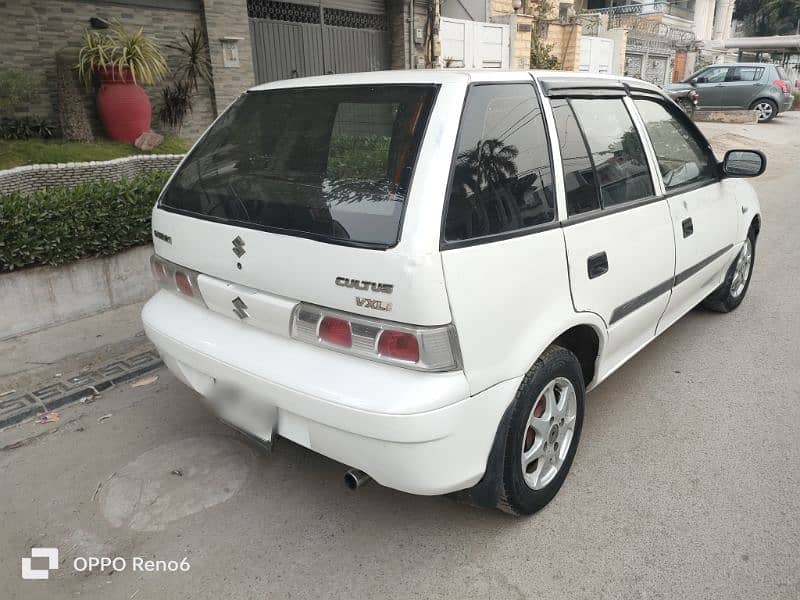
x: 767, y: 109
x: 730, y: 294
x: 547, y: 411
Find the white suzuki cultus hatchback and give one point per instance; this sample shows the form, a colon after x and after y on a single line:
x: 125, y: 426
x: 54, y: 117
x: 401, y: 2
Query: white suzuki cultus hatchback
x: 419, y: 274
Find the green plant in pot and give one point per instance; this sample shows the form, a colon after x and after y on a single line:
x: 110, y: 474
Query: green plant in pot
x: 121, y: 60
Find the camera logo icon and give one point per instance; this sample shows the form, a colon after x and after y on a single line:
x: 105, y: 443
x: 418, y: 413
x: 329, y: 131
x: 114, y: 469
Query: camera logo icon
x: 51, y: 554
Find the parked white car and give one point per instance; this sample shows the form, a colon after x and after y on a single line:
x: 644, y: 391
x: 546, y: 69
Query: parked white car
x: 419, y: 274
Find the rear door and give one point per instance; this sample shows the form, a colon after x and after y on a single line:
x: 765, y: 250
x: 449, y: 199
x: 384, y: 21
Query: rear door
x: 742, y: 86
x: 703, y: 208
x: 618, y: 231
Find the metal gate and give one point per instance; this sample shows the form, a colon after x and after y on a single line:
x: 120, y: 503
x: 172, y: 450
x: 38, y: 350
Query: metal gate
x: 299, y: 40
x: 647, y: 66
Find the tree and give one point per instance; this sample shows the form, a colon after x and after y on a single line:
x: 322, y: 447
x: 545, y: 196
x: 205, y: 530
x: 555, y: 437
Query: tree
x: 541, y: 53
x: 768, y: 17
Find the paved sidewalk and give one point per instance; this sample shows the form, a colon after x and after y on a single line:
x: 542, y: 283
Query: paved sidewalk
x: 75, y: 361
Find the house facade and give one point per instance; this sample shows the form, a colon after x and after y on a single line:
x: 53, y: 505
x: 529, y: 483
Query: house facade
x: 666, y: 39
x: 249, y: 41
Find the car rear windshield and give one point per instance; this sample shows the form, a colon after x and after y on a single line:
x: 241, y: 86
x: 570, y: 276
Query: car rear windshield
x: 330, y: 163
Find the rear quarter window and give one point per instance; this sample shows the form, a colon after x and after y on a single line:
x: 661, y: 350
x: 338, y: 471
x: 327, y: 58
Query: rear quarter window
x: 502, y: 178
x: 331, y: 163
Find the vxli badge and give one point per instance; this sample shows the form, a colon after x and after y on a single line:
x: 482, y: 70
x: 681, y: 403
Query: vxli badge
x: 374, y: 304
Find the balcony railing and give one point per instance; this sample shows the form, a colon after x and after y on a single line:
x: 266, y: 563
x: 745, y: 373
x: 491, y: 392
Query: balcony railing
x: 682, y: 9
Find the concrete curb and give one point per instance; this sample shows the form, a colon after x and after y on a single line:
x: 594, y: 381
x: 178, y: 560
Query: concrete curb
x: 726, y: 116
x: 68, y: 390
x: 40, y: 297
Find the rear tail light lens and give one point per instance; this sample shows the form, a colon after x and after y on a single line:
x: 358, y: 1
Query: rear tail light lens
x: 422, y: 348
x: 183, y: 284
x: 335, y: 331
x: 175, y: 278
x: 399, y: 345
x: 782, y: 85
x: 159, y: 271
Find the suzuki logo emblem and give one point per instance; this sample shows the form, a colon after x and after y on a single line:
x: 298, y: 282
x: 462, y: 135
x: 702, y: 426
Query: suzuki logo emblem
x: 240, y: 308
x: 238, y: 246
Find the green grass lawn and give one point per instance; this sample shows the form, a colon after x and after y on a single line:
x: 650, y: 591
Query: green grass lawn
x: 14, y: 153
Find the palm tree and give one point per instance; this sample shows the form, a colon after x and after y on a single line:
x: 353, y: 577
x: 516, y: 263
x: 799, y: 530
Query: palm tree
x: 488, y: 163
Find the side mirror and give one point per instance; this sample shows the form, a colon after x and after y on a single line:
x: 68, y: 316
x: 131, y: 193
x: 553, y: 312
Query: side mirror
x: 744, y: 163
x: 699, y: 80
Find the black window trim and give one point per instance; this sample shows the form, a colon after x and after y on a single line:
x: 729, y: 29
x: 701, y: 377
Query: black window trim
x: 692, y: 127
x: 444, y: 244
x: 303, y: 234
x: 614, y: 208
x: 588, y: 149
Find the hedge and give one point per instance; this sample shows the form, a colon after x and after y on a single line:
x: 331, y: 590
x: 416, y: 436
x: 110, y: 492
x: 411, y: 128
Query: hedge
x: 63, y: 224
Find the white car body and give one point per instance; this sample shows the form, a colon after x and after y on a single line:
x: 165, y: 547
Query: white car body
x: 508, y: 299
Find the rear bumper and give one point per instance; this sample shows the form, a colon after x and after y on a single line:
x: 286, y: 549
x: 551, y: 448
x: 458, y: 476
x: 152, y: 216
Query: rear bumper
x: 786, y: 102
x: 412, y: 431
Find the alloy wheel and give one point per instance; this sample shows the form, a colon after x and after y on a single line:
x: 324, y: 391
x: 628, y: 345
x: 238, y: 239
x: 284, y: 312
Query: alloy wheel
x: 549, y: 432
x: 764, y: 110
x: 742, y: 269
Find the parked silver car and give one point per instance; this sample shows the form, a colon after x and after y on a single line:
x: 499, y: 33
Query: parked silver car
x: 757, y: 86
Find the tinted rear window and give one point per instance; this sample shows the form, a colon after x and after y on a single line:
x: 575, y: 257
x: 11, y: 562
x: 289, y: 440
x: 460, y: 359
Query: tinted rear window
x: 331, y: 163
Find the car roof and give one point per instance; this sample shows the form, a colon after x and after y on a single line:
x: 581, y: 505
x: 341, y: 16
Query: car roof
x: 741, y: 64
x: 444, y: 76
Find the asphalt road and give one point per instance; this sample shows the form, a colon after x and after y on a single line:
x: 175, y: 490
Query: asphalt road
x: 686, y: 483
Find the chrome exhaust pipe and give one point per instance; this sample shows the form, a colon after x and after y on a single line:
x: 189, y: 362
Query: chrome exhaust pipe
x: 355, y: 479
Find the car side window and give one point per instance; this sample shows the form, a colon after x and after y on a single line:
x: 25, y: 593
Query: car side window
x: 579, y: 180
x: 681, y: 156
x: 745, y: 74
x: 502, y: 178
x: 715, y: 74
x: 619, y: 160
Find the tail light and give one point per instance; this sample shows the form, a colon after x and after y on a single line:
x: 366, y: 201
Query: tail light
x: 782, y: 85
x: 422, y: 348
x: 335, y: 331
x: 175, y: 278
x: 399, y: 344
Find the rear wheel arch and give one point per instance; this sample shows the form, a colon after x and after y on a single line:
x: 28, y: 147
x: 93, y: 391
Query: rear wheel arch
x: 584, y: 342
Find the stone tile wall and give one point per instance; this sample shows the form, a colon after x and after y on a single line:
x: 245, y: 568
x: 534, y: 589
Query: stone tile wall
x: 32, y: 31
x: 34, y: 178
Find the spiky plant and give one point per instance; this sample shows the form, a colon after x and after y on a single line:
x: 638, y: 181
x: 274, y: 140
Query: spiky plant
x: 193, y: 61
x: 123, y: 50
x: 176, y: 104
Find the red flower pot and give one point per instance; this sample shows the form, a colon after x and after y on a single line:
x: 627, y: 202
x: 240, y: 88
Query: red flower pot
x: 123, y: 106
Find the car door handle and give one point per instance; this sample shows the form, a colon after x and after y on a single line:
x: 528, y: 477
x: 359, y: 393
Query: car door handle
x: 688, y: 227
x: 597, y: 264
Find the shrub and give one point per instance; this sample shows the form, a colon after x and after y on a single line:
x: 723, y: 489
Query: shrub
x: 25, y: 128
x: 17, y: 88
x: 60, y: 225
